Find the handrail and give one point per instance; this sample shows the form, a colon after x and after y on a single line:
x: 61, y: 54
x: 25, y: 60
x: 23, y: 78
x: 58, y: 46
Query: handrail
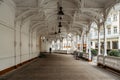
x: 113, y: 62
x: 109, y: 61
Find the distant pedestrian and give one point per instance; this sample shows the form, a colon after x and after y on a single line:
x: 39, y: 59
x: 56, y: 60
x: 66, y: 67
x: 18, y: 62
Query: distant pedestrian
x: 50, y: 49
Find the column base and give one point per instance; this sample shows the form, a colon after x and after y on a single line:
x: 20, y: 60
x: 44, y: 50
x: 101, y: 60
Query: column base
x: 89, y: 60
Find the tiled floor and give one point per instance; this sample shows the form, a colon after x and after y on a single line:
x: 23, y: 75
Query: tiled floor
x: 61, y: 67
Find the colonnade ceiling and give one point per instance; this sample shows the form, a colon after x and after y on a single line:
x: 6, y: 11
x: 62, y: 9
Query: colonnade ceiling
x: 78, y: 14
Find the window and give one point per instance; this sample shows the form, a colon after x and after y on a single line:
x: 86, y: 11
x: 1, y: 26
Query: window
x: 91, y: 43
x: 96, y: 33
x: 115, y: 17
x: 109, y: 19
x: 101, y: 32
x: 108, y: 45
x: 115, y: 30
x: 96, y: 45
x: 109, y: 30
x: 102, y: 45
x: 115, y: 44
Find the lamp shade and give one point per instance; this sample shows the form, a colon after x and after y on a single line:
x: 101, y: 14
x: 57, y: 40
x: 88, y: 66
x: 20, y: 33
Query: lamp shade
x: 59, y: 31
x: 59, y: 24
x: 60, y: 12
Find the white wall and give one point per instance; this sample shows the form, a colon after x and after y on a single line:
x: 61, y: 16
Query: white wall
x: 48, y: 46
x: 45, y: 46
x: 6, y: 36
x: 34, y: 51
x: 25, y: 41
x: 8, y: 49
x: 28, y: 42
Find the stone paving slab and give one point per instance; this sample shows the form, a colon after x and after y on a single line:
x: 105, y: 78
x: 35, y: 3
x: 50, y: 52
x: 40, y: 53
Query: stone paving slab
x: 60, y: 67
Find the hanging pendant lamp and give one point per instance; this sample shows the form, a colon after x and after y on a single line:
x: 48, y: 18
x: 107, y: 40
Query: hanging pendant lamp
x: 60, y: 12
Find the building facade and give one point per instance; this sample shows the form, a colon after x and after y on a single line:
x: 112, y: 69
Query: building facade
x: 112, y: 32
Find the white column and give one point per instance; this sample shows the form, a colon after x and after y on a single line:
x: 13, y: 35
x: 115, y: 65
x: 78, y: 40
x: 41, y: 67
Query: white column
x: 105, y: 40
x: 99, y: 53
x: 87, y: 43
x: 67, y: 44
x: 89, y: 47
x: 55, y: 45
x: 60, y: 45
x: 81, y: 44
